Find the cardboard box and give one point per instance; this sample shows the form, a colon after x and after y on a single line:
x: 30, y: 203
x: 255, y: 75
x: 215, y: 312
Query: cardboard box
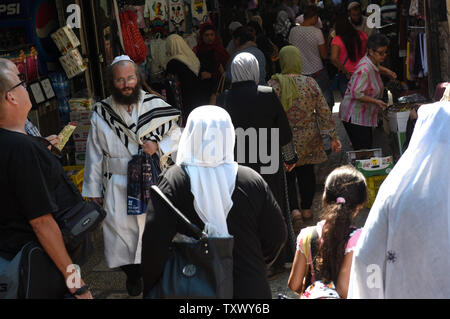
x: 375, y: 166
x: 65, y: 39
x: 81, y: 117
x: 373, y: 185
x: 375, y: 170
x: 353, y: 156
x: 73, y: 63
x: 81, y: 133
x: 81, y: 104
x: 75, y: 173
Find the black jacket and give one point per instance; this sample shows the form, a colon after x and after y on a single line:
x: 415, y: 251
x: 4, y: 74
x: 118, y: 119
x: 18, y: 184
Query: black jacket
x: 255, y: 221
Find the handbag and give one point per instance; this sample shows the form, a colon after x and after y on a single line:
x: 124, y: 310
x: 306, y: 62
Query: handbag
x: 32, y: 275
x: 199, y: 269
x: 143, y: 172
x: 78, y: 221
x: 220, y: 89
x: 335, y: 82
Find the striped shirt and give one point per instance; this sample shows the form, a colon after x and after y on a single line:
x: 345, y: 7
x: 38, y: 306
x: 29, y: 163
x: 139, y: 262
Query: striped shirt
x: 31, y: 130
x: 365, y: 81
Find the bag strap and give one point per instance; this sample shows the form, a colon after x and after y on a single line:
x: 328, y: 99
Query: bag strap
x: 313, y: 250
x: 221, y: 84
x: 346, y: 59
x: 197, y: 231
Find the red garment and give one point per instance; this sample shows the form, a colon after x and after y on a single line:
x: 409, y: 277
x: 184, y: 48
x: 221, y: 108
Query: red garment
x: 221, y: 56
x: 133, y: 41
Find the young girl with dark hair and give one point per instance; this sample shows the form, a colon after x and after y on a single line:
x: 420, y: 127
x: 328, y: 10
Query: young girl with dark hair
x: 325, y: 251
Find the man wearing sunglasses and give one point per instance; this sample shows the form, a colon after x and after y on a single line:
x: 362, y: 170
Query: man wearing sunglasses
x: 30, y: 181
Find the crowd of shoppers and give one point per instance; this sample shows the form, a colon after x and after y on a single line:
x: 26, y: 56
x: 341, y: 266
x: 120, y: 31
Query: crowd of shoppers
x: 269, y: 123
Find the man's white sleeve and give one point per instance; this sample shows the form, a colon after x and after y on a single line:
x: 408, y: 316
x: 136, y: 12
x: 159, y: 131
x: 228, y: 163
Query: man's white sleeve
x: 92, y: 184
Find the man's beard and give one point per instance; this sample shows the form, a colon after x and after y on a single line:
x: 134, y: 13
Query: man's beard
x: 131, y: 99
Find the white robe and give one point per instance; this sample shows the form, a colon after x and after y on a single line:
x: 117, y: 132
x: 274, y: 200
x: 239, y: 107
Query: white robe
x: 404, y: 248
x: 122, y: 233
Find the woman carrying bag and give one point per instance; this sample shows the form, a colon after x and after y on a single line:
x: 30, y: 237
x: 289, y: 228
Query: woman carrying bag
x: 219, y: 196
x: 309, y: 116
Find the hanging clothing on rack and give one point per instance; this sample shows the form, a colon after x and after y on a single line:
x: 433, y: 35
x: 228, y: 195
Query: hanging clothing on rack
x: 157, y: 13
x: 199, y: 12
x: 158, y: 59
x: 420, y: 56
x: 188, y: 14
x: 177, y: 19
x: 414, y: 8
x: 423, y: 54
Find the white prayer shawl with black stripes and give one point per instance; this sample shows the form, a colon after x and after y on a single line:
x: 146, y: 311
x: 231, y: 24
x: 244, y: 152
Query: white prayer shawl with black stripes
x: 154, y: 118
x: 106, y: 168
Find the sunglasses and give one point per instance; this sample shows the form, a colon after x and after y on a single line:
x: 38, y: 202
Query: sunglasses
x: 381, y: 53
x: 55, y: 151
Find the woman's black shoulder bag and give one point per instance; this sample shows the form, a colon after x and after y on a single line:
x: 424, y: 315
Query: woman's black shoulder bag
x: 202, y: 269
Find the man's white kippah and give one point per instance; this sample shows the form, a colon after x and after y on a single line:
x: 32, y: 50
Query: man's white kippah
x: 121, y: 58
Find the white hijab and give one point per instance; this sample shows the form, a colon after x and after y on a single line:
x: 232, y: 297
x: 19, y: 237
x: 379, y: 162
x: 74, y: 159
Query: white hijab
x: 404, y: 249
x: 206, y: 148
x: 178, y: 49
x: 245, y: 67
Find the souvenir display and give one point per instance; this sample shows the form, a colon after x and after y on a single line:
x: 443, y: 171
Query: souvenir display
x: 199, y: 12
x: 176, y: 16
x: 73, y: 63
x: 65, y: 39
x: 157, y: 14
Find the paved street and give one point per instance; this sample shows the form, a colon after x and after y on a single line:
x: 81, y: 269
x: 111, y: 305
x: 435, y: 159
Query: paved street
x: 110, y: 284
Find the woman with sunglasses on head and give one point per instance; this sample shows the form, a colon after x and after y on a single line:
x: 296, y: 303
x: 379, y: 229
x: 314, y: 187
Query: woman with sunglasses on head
x: 362, y: 101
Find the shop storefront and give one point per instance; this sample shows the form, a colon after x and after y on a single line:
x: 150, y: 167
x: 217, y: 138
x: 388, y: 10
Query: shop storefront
x: 64, y: 82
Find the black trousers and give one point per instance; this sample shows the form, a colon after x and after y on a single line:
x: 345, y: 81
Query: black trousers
x: 133, y: 272
x: 306, y: 179
x: 360, y: 136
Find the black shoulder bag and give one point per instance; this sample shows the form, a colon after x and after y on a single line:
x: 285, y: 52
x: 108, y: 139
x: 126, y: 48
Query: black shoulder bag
x: 202, y: 269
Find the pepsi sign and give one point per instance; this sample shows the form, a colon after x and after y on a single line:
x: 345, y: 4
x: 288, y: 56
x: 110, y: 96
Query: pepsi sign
x: 10, y: 10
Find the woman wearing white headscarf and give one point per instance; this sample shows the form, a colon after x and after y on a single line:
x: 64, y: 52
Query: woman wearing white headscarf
x: 185, y: 66
x: 404, y: 249
x: 216, y: 194
x: 257, y: 110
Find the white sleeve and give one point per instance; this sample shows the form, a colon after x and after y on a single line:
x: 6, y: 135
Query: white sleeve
x: 170, y: 140
x: 93, y: 180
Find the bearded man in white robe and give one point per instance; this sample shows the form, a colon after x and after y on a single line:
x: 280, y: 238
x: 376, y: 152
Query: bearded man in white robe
x: 127, y: 121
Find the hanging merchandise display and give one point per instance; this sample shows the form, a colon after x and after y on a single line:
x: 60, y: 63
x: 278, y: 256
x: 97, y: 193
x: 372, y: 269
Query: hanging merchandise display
x: 73, y: 63
x: 199, y: 12
x: 188, y: 14
x: 32, y: 64
x: 65, y: 39
x: 177, y: 19
x: 27, y: 63
x: 134, y: 44
x: 158, y: 57
x: 156, y: 13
